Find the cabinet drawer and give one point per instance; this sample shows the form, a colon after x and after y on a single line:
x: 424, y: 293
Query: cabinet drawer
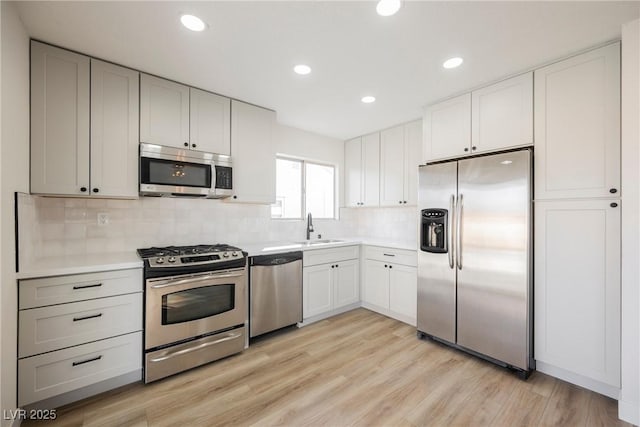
x: 396, y: 256
x: 78, y: 287
x: 59, y: 326
x: 325, y: 256
x: 51, y: 374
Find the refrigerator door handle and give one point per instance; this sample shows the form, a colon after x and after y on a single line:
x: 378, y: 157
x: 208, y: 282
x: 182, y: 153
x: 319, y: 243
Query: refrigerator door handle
x: 459, y: 233
x: 451, y: 221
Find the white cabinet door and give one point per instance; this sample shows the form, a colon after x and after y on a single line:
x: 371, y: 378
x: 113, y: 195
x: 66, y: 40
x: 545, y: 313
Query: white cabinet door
x: 403, y: 292
x: 376, y: 283
x: 447, y: 129
x: 253, y: 152
x: 164, y: 112
x: 412, y: 158
x: 353, y: 172
x: 577, y: 287
x: 577, y: 126
x: 371, y: 169
x: 114, y: 130
x: 392, y: 162
x: 59, y: 121
x: 317, y: 290
x: 346, y: 283
x: 502, y: 115
x: 210, y: 122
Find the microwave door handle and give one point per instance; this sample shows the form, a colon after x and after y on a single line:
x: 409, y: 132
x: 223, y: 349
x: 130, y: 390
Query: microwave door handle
x: 214, y: 177
x: 194, y: 280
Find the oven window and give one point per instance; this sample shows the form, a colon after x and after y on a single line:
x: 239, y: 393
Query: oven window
x: 169, y: 172
x: 197, y: 303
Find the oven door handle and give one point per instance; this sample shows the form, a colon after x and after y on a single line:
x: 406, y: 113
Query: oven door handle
x: 196, y: 279
x: 196, y: 348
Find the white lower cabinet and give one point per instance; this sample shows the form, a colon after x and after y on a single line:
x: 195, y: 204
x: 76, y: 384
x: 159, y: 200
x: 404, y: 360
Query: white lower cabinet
x: 577, y: 292
x: 330, y: 281
x: 78, y: 331
x: 390, y: 282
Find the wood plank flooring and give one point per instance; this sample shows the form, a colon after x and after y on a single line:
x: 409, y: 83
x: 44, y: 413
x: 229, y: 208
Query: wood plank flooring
x: 359, y: 368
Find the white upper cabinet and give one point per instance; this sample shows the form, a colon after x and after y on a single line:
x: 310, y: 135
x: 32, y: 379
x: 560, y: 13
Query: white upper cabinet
x: 84, y: 125
x: 59, y: 121
x: 502, y: 115
x: 164, y: 112
x: 447, y: 129
x: 399, y: 159
x: 362, y: 166
x: 577, y: 126
x: 253, y: 153
x: 210, y: 122
x: 114, y: 130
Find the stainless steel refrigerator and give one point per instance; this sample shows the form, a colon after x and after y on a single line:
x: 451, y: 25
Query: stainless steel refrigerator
x: 474, y: 257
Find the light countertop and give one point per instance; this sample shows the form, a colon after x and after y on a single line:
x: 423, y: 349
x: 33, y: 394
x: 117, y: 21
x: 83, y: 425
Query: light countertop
x: 78, y: 264
x: 265, y: 248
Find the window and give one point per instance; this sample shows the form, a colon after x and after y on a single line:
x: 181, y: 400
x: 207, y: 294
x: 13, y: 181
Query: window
x: 303, y: 187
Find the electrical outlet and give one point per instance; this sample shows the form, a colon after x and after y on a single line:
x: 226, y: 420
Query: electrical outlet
x: 103, y: 219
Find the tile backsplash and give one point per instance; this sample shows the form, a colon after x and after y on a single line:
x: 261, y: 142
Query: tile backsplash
x: 50, y: 226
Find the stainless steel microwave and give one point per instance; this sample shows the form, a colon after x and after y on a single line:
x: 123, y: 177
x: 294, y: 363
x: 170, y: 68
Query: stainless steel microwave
x: 175, y: 172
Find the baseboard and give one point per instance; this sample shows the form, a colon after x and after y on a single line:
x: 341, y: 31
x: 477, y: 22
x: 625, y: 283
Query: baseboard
x: 579, y: 380
x: 629, y: 412
x: 326, y: 315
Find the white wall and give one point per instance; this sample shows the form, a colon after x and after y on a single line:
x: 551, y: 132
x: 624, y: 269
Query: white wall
x: 629, y: 404
x: 14, y: 176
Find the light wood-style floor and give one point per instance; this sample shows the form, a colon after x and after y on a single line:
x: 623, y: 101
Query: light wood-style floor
x: 359, y: 368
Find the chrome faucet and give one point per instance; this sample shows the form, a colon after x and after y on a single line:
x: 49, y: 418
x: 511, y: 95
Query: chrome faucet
x: 309, y: 226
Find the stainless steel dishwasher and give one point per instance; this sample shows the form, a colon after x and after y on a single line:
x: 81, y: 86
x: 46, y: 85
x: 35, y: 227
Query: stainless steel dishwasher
x: 275, y: 292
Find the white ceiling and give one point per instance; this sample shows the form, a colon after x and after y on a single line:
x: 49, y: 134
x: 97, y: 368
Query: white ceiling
x: 249, y: 49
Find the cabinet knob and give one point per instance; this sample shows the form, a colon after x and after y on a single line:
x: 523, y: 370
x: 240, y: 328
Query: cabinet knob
x: 95, y: 190
x: 466, y: 149
x: 193, y: 145
x: 405, y: 202
x: 385, y: 266
x: 613, y: 191
x: 83, y: 189
x: 614, y: 205
x: 235, y: 197
x: 400, y: 202
x: 186, y: 144
x: 391, y: 266
x: 473, y: 148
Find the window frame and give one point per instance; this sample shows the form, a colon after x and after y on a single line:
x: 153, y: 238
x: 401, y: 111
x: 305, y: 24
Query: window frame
x: 303, y: 186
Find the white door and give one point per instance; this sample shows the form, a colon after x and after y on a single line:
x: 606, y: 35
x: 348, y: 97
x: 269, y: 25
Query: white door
x: 376, y: 283
x: 502, y: 115
x: 164, y: 112
x: 447, y: 129
x: 392, y: 160
x: 253, y: 152
x: 114, y: 130
x: 59, y: 121
x: 346, y: 283
x: 371, y: 169
x: 412, y: 158
x: 317, y: 288
x: 403, y: 292
x: 210, y: 122
x: 353, y: 172
x: 577, y: 126
x: 577, y: 287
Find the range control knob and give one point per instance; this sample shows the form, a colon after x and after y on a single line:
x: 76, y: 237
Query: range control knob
x: 234, y: 254
x: 159, y: 260
x: 172, y: 259
x: 225, y: 255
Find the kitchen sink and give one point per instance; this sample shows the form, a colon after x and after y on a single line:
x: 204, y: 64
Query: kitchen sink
x: 319, y: 242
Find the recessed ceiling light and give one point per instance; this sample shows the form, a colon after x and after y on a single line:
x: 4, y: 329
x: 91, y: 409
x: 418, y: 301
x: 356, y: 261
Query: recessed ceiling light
x: 388, y: 7
x: 368, y: 99
x: 506, y: 162
x: 302, y: 69
x: 192, y: 22
x: 452, y: 62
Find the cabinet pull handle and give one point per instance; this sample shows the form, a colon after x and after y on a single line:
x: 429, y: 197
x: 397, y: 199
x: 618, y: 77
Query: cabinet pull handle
x: 97, y: 285
x: 93, y: 316
x: 473, y: 148
x: 186, y: 144
x: 193, y: 145
x: 614, y: 205
x: 388, y: 254
x: 405, y: 202
x: 83, y: 189
x: 613, y: 191
x: 82, y: 362
x: 466, y: 149
x: 95, y: 190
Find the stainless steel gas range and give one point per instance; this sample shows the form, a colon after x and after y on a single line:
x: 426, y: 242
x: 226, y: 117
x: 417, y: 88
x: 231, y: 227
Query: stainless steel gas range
x: 195, y: 306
